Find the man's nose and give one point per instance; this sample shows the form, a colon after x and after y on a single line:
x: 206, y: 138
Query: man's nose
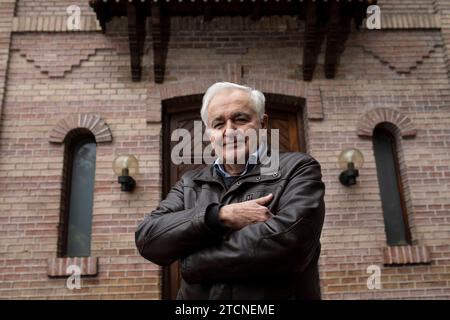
x: 229, y: 126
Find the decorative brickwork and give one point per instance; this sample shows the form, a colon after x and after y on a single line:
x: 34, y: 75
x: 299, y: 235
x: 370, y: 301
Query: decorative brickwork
x: 57, y: 267
x: 372, y: 118
x: 394, y: 50
x: 56, y: 60
x: 444, y: 10
x: 410, y: 21
x: 6, y: 16
x: 53, y: 23
x: 403, y: 255
x: 91, y: 122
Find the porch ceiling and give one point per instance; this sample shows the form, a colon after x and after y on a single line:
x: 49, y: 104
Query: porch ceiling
x: 325, y: 20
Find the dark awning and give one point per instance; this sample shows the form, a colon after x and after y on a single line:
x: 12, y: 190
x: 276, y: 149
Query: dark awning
x: 328, y: 20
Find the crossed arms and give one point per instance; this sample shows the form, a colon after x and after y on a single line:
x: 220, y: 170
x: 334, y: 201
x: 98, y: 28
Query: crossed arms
x: 261, y: 242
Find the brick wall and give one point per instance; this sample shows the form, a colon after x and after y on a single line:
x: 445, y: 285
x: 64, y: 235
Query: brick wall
x: 55, y: 75
x: 444, y: 12
x: 94, y: 79
x: 407, y: 6
x: 6, y: 16
x: 50, y: 7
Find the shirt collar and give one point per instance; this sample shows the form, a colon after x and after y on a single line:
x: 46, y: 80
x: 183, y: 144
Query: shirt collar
x: 251, y: 162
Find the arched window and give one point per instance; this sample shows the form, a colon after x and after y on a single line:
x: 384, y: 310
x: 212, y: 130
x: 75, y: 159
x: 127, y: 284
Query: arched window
x: 77, y: 195
x: 391, y: 188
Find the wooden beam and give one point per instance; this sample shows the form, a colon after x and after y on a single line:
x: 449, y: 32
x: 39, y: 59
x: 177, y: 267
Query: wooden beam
x: 160, y: 39
x: 136, y: 36
x: 338, y: 31
x: 256, y: 11
x: 313, y: 37
x: 321, y: 17
x: 102, y: 12
x: 207, y: 12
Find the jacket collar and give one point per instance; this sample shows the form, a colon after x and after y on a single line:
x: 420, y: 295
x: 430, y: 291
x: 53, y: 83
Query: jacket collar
x: 209, y: 174
x: 251, y: 162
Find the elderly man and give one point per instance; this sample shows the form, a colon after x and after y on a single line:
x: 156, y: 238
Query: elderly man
x: 239, y: 233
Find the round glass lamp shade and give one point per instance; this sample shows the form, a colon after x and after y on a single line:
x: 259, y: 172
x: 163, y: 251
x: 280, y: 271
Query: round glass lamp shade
x: 351, y: 155
x: 126, y: 162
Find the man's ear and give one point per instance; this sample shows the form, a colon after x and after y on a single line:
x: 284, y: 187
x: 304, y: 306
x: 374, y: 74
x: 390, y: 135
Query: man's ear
x: 265, y: 121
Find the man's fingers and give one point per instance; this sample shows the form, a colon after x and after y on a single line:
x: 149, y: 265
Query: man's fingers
x: 266, y: 214
x: 264, y: 200
x: 269, y: 214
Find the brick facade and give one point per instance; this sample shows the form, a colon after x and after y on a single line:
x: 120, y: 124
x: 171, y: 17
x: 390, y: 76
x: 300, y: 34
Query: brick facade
x: 50, y: 78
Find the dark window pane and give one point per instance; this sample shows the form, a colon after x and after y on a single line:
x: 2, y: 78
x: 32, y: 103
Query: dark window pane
x: 390, y: 187
x: 81, y: 199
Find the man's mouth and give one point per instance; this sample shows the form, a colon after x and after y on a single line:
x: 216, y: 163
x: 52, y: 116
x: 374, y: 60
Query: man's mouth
x: 234, y: 141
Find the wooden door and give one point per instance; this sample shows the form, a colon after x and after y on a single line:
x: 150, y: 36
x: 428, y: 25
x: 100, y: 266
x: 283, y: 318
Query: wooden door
x: 285, y: 114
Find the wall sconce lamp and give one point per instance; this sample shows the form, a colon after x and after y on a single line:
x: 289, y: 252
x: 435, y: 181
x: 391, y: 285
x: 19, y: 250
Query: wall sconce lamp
x: 350, y: 160
x: 125, y: 167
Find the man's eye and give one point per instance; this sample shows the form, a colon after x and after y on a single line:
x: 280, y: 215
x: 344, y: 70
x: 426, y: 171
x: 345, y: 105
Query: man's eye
x: 241, y: 120
x: 217, y: 125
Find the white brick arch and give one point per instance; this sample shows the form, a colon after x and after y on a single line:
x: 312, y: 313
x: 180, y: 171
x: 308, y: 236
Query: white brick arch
x: 91, y: 122
x: 372, y: 118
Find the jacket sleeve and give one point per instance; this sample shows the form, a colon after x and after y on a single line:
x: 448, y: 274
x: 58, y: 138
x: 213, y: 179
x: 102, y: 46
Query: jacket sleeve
x: 171, y: 232
x: 282, y: 245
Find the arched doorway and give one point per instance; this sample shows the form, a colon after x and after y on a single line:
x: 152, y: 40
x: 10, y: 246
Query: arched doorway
x: 285, y: 113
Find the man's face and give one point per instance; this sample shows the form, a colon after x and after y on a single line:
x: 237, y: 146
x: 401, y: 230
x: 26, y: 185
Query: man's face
x: 234, y: 125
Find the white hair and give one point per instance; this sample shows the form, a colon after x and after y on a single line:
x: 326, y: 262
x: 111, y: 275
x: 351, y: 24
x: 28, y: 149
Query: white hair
x: 257, y: 98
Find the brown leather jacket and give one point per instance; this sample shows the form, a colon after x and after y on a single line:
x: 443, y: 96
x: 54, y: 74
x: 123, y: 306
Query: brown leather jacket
x: 275, y: 259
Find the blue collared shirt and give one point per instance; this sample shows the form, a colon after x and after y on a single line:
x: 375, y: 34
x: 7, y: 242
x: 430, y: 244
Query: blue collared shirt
x: 251, y: 162
x: 212, y: 212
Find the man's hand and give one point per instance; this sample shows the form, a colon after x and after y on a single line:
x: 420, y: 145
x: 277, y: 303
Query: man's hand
x: 238, y: 215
